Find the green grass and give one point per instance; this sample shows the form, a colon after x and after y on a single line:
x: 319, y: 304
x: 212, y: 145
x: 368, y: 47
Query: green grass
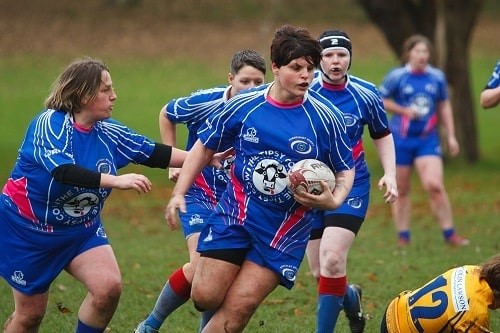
x: 148, y: 251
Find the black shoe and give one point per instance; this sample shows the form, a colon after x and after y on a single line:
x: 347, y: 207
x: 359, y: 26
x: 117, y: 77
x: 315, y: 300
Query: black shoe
x: 356, y: 319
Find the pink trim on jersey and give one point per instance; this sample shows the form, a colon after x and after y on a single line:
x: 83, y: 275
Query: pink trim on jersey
x: 202, y: 183
x: 82, y: 129
x: 405, y: 124
x: 288, y: 224
x: 240, y: 196
x: 357, y: 149
x: 274, y: 102
x: 431, y: 124
x: 334, y: 87
x: 16, y: 191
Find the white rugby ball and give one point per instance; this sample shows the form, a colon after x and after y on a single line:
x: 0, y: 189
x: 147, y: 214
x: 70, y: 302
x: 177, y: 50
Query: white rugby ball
x: 306, y: 175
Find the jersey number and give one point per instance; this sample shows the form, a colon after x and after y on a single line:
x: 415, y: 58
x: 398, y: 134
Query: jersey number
x: 429, y: 312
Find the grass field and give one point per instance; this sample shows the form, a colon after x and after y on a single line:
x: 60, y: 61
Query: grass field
x: 148, y: 251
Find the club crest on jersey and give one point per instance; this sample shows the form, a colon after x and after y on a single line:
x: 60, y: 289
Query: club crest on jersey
x: 104, y: 166
x: 289, y: 272
x: 301, y: 145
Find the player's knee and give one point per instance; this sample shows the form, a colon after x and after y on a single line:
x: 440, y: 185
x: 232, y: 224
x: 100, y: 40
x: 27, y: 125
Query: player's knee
x: 332, y: 260
x: 30, y: 321
x: 204, y: 300
x: 107, y: 296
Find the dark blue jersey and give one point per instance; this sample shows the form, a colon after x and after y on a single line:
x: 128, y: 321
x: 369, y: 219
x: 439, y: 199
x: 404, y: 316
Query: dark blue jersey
x: 53, y: 139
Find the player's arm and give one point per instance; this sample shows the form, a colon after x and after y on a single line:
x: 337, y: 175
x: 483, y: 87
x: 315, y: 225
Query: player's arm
x: 168, y: 136
x: 395, y: 108
x: 328, y: 200
x: 490, y: 97
x: 446, y: 115
x: 386, y: 154
x: 197, y: 158
x: 74, y: 175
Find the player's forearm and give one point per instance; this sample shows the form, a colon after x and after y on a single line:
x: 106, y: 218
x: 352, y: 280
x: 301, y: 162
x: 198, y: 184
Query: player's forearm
x: 386, y: 154
x: 393, y: 107
x: 490, y: 97
x: 446, y: 114
x: 196, y: 159
x: 343, y: 185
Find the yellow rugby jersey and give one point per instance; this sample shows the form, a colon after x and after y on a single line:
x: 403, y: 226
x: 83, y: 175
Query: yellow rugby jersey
x: 455, y: 301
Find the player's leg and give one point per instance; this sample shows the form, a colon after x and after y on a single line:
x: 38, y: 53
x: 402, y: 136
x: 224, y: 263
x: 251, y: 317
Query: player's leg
x: 175, y: 292
x: 98, y: 270
x: 223, y: 249
x: 334, y: 247
x: 401, y: 208
x: 430, y: 171
x: 28, y: 312
x: 312, y: 250
x: 250, y: 287
x: 212, y: 279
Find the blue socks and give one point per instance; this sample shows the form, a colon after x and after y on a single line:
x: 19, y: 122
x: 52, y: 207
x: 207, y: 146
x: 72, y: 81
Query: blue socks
x: 84, y: 328
x: 167, y: 302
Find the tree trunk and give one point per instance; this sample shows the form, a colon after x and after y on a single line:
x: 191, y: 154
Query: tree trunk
x: 460, y: 17
x: 448, y: 24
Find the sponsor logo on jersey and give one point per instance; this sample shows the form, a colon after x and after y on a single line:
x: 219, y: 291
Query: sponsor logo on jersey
x: 265, y: 176
x: 458, y: 290
x: 251, y: 135
x: 195, y: 219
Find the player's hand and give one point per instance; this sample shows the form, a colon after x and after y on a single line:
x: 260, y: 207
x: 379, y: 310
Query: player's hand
x: 453, y: 146
x: 323, y: 201
x: 217, y: 159
x: 391, y: 188
x: 411, y: 113
x: 134, y: 181
x: 173, y: 173
x: 177, y: 203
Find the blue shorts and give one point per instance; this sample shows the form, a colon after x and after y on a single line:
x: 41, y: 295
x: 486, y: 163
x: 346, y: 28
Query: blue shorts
x: 220, y: 236
x: 197, y: 213
x: 31, y: 259
x: 409, y: 148
x: 355, y: 205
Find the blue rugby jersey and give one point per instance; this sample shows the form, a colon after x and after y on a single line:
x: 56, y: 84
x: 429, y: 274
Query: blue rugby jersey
x: 494, y: 80
x: 269, y: 138
x: 420, y: 90
x: 361, y: 104
x: 193, y: 110
x: 53, y: 139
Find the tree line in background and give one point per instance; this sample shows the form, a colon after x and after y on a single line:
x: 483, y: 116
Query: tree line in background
x: 448, y: 24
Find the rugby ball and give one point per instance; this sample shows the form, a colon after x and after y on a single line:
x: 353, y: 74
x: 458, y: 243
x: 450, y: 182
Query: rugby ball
x: 306, y: 175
